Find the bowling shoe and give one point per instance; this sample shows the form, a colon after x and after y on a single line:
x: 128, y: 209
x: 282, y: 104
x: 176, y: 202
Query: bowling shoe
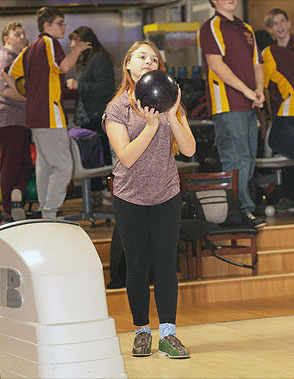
x: 17, y: 210
x: 172, y: 347
x: 142, y: 345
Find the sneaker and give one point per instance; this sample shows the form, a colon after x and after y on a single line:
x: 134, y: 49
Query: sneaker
x: 142, y: 345
x: 172, y: 347
x: 17, y: 211
x: 284, y: 204
x: 251, y: 220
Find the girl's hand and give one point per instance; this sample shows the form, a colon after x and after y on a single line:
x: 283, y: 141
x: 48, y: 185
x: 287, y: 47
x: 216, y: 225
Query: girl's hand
x: 151, y: 115
x: 172, y: 111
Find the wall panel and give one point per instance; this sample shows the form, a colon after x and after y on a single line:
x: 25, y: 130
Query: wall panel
x: 257, y: 9
x: 116, y: 30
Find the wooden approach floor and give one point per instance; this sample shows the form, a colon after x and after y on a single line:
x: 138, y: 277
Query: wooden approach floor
x: 259, y: 348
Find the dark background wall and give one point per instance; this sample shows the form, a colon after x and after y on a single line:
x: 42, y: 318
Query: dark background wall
x: 258, y: 8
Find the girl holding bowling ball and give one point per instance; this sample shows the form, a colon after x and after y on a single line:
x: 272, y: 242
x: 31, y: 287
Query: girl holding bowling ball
x: 146, y: 198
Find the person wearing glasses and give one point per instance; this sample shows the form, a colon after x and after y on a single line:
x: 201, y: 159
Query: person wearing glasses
x: 42, y: 65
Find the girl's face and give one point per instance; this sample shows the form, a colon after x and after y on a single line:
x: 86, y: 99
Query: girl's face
x: 142, y: 60
x: 74, y: 40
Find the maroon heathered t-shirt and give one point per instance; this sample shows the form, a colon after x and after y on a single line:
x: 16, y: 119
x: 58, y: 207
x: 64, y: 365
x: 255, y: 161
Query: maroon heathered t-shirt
x: 153, y: 178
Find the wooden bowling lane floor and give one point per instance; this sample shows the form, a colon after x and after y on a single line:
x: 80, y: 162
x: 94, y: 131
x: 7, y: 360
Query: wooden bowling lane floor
x: 257, y: 348
x: 196, y: 314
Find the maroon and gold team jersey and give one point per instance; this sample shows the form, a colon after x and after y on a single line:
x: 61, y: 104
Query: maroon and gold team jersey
x: 39, y: 64
x: 235, y: 42
x: 279, y: 77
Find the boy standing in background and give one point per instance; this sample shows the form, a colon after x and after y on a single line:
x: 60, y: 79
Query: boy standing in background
x: 234, y: 87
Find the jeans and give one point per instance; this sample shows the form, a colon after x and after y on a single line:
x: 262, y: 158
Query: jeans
x: 236, y: 142
x: 150, y: 236
x: 281, y: 138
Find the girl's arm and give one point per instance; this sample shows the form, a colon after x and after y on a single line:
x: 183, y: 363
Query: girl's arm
x: 128, y: 152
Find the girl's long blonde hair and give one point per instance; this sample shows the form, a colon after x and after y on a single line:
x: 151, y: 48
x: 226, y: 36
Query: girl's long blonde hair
x: 127, y: 82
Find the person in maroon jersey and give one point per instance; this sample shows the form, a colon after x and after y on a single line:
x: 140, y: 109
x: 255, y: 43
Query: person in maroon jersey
x: 43, y: 64
x: 279, y: 80
x: 234, y: 88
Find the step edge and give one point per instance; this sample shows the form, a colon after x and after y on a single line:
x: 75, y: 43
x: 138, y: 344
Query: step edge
x: 276, y: 251
x: 101, y: 241
x: 194, y: 283
x: 236, y: 279
x: 276, y: 227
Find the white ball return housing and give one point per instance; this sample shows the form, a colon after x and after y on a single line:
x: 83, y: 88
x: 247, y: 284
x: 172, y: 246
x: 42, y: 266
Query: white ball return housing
x: 53, y: 313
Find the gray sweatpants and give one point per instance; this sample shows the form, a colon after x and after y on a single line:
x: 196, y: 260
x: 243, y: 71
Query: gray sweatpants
x: 54, y: 167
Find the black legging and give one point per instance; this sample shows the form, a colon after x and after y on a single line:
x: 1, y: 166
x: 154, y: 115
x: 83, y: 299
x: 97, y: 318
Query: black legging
x: 150, y: 235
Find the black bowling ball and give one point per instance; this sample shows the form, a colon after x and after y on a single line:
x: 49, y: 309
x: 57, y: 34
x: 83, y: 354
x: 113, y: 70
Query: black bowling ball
x: 157, y: 89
